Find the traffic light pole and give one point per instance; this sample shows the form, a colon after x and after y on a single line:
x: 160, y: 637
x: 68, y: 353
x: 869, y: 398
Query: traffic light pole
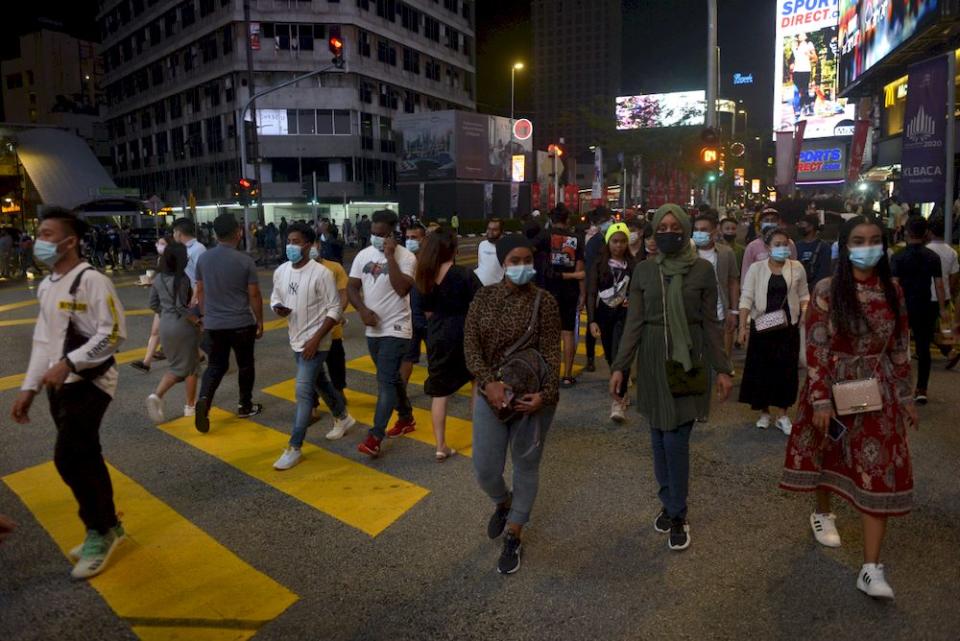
x: 712, y: 82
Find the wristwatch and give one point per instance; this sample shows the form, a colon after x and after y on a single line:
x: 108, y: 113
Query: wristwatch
x: 70, y: 365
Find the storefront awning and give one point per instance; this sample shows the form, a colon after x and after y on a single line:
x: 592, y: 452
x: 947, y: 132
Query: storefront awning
x: 61, y: 166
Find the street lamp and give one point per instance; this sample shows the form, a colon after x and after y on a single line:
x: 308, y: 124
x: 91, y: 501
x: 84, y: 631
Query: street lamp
x: 517, y: 66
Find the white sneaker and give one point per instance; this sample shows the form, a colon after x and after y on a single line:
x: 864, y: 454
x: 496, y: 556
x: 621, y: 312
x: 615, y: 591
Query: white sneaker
x: 784, y: 424
x: 290, y: 457
x: 189, y: 410
x: 616, y: 412
x: 764, y: 421
x: 95, y: 552
x: 155, y: 409
x: 340, y: 427
x: 871, y: 581
x: 825, y: 529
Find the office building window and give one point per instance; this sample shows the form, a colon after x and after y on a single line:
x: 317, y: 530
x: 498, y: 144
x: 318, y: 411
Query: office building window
x: 306, y: 121
x: 342, y: 122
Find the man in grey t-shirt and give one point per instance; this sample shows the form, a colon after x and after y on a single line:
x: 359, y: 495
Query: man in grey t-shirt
x: 229, y: 296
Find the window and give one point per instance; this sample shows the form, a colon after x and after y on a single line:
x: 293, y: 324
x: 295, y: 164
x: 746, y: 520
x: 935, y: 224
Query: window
x: 187, y: 14
x: 159, y: 112
x: 433, y: 70
x: 206, y: 8
x: 364, y: 44
x: 364, y: 4
x: 386, y: 53
x: 145, y: 120
x: 176, y: 139
x: 431, y: 28
x: 411, y: 100
x: 366, y: 93
x: 341, y: 122
x: 208, y: 48
x: 15, y: 81
x: 160, y: 141
x: 291, y: 122
x: 411, y: 61
x: 387, y: 9
x: 176, y: 109
x: 282, y: 36
x: 226, y: 35
x: 325, y: 121
x: 285, y: 170
x: 156, y: 74
x: 366, y: 131
x: 306, y: 37
x: 306, y: 121
x: 320, y: 166
x: 410, y: 18
x: 453, y: 39
x: 450, y: 5
x: 387, y: 145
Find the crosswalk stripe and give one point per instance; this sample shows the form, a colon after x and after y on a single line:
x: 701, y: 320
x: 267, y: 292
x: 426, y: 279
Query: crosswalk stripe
x: 363, y: 406
x: 32, y: 321
x: 366, y: 365
x: 153, y: 582
x: 355, y: 494
x: 25, y: 303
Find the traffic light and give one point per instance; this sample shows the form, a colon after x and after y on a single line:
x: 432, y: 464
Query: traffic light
x: 246, y: 191
x: 336, y: 48
x: 555, y: 150
x: 709, y: 155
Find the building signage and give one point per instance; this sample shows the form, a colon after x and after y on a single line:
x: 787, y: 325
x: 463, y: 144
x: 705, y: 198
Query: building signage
x: 822, y: 161
x: 522, y: 129
x: 743, y: 78
x: 519, y: 168
x: 924, y: 132
x: 739, y: 177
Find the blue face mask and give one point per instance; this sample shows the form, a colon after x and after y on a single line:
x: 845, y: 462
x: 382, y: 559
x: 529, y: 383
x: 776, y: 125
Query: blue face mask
x: 702, y: 238
x: 520, y: 274
x: 768, y: 226
x: 314, y: 254
x: 866, y: 257
x: 605, y: 226
x: 377, y: 242
x: 294, y: 253
x: 780, y: 254
x: 413, y: 245
x: 46, y: 252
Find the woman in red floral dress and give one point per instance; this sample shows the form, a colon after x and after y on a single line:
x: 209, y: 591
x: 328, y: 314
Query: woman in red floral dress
x: 856, y: 329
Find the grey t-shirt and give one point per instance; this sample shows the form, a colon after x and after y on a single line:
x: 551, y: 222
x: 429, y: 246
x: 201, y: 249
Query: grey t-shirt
x: 225, y: 273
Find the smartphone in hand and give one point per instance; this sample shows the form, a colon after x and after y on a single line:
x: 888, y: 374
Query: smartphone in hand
x: 837, y: 429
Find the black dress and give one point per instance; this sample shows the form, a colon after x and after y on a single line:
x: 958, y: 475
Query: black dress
x: 770, y: 375
x: 447, y: 305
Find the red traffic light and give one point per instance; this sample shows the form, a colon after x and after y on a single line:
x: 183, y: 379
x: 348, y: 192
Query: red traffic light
x: 336, y: 46
x: 246, y: 183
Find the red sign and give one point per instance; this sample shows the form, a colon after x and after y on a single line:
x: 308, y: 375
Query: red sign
x: 856, y: 149
x: 255, y: 36
x: 571, y: 194
x: 535, y: 196
x: 551, y: 197
x: 522, y: 129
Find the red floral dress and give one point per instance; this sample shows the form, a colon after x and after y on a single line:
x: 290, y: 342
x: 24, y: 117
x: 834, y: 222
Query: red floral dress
x: 870, y: 465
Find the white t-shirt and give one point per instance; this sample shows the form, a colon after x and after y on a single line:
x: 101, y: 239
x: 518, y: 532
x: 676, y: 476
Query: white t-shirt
x: 195, y: 249
x: 711, y: 255
x: 949, y: 264
x: 370, y: 266
x: 489, y: 270
x: 801, y: 57
x: 311, y: 293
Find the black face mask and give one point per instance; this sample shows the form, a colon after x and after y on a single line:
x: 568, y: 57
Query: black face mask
x: 669, y: 242
x: 730, y: 237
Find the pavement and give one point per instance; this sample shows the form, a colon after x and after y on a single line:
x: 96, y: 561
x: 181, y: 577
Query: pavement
x: 223, y: 547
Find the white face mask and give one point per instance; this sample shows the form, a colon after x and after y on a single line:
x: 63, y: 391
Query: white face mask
x: 634, y: 237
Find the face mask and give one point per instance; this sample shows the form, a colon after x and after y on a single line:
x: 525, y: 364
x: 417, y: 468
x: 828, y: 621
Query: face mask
x: 413, y: 245
x: 160, y: 247
x: 605, y: 226
x: 377, y: 242
x: 702, y: 238
x: 520, y: 274
x: 294, y: 253
x: 768, y: 226
x: 634, y: 237
x: 730, y: 237
x: 669, y: 242
x: 314, y: 254
x: 866, y: 257
x: 46, y: 252
x: 780, y: 254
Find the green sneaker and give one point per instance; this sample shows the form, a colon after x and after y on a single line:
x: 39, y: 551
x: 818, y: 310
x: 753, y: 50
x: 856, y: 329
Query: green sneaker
x: 96, y: 551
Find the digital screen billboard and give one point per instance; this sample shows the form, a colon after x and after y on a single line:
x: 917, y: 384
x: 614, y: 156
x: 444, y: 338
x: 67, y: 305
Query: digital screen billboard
x: 649, y: 111
x: 806, y: 83
x: 870, y: 30
x: 822, y: 161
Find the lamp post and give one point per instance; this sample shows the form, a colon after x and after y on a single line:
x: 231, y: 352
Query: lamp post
x: 517, y: 66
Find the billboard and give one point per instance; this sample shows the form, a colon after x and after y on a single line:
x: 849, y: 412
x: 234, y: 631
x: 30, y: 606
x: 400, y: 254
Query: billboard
x: 870, y: 30
x: 649, y: 111
x: 805, y: 75
x: 426, y: 151
x: 822, y: 161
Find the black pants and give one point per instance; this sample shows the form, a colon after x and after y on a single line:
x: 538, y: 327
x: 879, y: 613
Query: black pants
x: 923, y: 325
x: 77, y: 410
x: 611, y: 322
x: 337, y: 364
x: 220, y: 342
x: 801, y: 79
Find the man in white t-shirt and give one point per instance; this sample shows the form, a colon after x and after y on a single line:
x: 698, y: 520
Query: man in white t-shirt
x: 185, y: 233
x: 381, y: 277
x: 489, y: 270
x: 305, y: 293
x: 951, y: 276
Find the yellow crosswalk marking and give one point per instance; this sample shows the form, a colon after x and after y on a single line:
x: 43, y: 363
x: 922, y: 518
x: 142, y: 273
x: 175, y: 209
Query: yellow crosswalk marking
x: 362, y: 407
x: 419, y: 376
x: 25, y: 303
x: 32, y: 321
x: 153, y: 582
x: 16, y: 380
x: 358, y: 495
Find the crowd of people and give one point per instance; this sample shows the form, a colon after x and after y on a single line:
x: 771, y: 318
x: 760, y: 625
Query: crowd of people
x: 668, y: 296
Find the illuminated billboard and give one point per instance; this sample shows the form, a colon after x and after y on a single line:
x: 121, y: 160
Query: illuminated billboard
x: 822, y: 162
x: 649, y: 111
x: 870, y: 30
x: 805, y: 76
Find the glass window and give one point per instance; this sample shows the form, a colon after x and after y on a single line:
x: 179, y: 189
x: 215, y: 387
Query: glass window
x: 292, y: 121
x: 307, y: 121
x: 324, y: 121
x: 341, y: 122
x: 285, y: 170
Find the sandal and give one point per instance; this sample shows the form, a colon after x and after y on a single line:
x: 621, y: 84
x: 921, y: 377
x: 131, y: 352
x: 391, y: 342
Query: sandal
x: 443, y: 455
x: 568, y: 381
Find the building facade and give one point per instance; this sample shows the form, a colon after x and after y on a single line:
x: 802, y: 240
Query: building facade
x: 576, y: 69
x: 176, y: 78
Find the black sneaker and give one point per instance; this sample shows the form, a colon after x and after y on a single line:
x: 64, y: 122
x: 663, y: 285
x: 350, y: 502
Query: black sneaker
x: 201, y: 420
x: 510, y: 557
x: 498, y: 520
x: 662, y: 523
x: 591, y: 366
x: 140, y: 366
x: 679, y: 535
x: 249, y: 410
x: 920, y: 398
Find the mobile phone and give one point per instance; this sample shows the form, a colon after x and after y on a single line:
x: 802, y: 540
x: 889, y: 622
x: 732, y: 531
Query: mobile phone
x: 836, y: 429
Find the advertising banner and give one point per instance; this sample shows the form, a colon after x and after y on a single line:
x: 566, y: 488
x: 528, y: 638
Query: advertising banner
x: 805, y: 70
x: 255, y: 36
x: 678, y: 109
x: 856, y: 150
x: 822, y: 161
x: 571, y: 197
x: 514, y: 198
x: 427, y: 148
x: 519, y: 164
x: 551, y: 196
x: 924, y: 162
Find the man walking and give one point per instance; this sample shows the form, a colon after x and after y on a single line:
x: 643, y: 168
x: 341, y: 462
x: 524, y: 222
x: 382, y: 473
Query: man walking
x: 813, y: 253
x: 6, y: 249
x: 757, y: 251
x: 185, y: 233
x: 381, y: 277
x: 79, y: 327
x: 229, y: 296
x: 489, y: 270
x: 567, y: 284
x: 724, y: 263
x: 950, y: 268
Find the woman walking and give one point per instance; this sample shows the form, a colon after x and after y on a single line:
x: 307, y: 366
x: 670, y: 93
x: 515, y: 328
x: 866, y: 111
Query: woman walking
x: 857, y: 331
x: 179, y: 330
x: 672, y: 322
x: 608, y: 283
x: 773, y: 300
x: 512, y: 347
x: 446, y: 293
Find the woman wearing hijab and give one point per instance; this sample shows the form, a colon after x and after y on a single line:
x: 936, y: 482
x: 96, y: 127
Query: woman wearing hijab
x: 511, y: 321
x: 672, y: 324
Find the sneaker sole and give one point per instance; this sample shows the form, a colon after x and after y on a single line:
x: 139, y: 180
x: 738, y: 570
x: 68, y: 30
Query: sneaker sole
x: 509, y: 572
x: 104, y: 563
x: 403, y: 433
x: 658, y: 530
x: 254, y: 412
x: 878, y: 597
x: 679, y: 548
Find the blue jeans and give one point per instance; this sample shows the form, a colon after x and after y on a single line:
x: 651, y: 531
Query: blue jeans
x: 312, y: 378
x: 671, y: 465
x: 387, y: 354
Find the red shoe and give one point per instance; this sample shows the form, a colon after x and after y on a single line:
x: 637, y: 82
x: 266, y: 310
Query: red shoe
x: 401, y: 427
x: 370, y: 446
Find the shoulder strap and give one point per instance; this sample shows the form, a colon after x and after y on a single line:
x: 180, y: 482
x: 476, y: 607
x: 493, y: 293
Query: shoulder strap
x: 527, y: 335
x: 76, y: 281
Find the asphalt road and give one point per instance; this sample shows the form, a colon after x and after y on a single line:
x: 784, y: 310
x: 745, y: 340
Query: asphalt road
x: 222, y: 547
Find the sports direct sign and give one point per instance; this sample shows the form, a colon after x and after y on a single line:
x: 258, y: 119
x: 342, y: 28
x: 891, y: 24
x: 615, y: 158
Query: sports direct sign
x: 822, y: 161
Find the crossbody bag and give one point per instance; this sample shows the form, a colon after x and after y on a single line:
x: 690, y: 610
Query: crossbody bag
x: 74, y: 339
x: 775, y: 319
x: 861, y: 395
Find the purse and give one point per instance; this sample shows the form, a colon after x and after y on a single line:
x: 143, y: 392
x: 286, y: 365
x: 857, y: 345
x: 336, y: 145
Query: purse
x: 682, y: 383
x: 774, y: 320
x: 861, y: 395
x: 522, y: 370
x: 74, y: 339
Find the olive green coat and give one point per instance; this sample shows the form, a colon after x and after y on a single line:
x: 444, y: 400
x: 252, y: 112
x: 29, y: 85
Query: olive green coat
x: 643, y: 337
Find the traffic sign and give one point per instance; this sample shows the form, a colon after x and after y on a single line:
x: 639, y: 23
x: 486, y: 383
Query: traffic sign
x: 522, y: 129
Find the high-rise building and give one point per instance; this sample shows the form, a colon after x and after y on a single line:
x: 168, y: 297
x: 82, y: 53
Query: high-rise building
x: 576, y: 69
x: 176, y: 78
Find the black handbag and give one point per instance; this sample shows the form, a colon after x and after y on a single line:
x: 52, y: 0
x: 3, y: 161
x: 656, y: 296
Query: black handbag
x: 682, y: 383
x: 74, y: 339
x: 523, y: 369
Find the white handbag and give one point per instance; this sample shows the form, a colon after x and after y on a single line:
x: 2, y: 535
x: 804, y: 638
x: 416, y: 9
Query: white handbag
x: 861, y: 395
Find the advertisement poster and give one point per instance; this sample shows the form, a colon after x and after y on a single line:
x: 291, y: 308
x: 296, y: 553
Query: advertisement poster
x: 427, y: 149
x: 677, y: 109
x: 822, y: 161
x: 519, y: 170
x: 870, y: 30
x: 922, y: 178
x: 255, y: 36
x: 856, y: 150
x: 571, y: 194
x: 806, y: 84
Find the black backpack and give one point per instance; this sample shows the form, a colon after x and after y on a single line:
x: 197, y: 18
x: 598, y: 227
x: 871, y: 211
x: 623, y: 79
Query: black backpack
x: 75, y: 339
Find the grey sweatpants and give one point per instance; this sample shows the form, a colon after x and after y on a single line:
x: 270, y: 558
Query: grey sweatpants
x: 491, y: 440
